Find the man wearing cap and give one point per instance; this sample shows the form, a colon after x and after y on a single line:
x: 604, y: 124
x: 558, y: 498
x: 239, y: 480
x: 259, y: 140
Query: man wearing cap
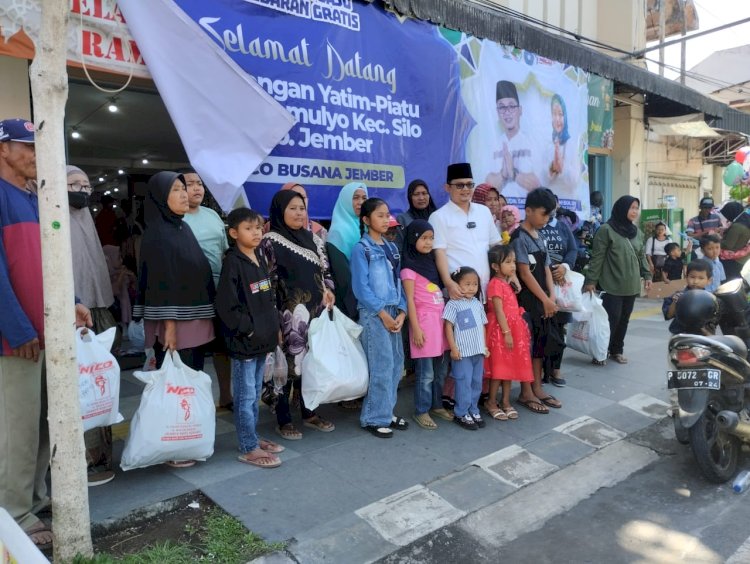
x: 706, y: 221
x: 24, y: 440
x: 464, y: 231
x: 515, y: 165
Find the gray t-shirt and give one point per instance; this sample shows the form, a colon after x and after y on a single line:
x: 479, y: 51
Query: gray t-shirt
x: 524, y: 245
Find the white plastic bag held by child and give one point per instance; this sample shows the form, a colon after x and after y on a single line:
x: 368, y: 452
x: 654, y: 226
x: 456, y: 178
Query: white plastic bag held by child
x: 335, y: 367
x: 176, y: 419
x: 589, y: 331
x: 98, y: 378
x: 568, y: 296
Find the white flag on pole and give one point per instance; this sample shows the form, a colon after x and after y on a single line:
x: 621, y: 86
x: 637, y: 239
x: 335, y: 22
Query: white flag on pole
x: 227, y: 123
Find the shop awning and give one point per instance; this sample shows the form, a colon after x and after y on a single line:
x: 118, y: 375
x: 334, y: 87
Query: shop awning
x: 492, y: 24
x: 691, y: 125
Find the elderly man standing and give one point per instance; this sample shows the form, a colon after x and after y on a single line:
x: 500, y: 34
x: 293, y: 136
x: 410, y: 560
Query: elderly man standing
x: 24, y: 438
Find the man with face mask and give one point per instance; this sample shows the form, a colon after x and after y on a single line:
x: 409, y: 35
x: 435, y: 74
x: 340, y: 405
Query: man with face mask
x: 563, y: 250
x: 24, y: 438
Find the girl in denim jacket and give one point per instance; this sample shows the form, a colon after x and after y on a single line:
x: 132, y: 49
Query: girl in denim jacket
x: 375, y: 266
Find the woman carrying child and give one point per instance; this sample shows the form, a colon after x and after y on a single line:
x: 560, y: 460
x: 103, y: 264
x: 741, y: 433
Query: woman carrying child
x: 464, y: 328
x: 425, y: 303
x: 508, y: 338
x: 375, y: 266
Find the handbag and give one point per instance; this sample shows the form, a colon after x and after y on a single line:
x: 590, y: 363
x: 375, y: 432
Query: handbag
x: 335, y: 367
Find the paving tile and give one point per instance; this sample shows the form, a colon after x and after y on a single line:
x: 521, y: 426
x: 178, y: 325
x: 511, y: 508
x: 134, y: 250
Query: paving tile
x: 343, y: 540
x: 273, y: 558
x: 282, y: 502
x: 622, y: 418
x: 470, y: 488
x: 558, y: 449
x: 133, y: 490
x: 646, y: 405
x: 408, y: 515
x: 591, y: 431
x: 515, y: 465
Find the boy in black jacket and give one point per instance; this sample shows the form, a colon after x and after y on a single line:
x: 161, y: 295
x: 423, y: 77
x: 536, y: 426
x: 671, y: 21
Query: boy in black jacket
x: 246, y: 305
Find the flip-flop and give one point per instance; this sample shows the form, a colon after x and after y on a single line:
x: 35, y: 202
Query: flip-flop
x: 273, y: 461
x: 540, y: 410
x: 497, y: 414
x: 270, y: 446
x: 510, y: 412
x: 317, y: 422
x: 598, y: 362
x: 289, y: 432
x: 180, y: 463
x: 551, y: 401
x: 618, y: 358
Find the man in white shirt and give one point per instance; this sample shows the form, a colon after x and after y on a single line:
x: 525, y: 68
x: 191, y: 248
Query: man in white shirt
x: 516, y: 161
x: 464, y: 231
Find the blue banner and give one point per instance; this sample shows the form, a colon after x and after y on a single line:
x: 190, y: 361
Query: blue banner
x: 376, y: 97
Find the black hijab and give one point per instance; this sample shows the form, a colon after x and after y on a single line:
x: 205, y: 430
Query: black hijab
x: 175, y: 278
x: 414, y: 212
x: 423, y: 264
x: 302, y: 237
x: 619, y: 219
x: 731, y: 211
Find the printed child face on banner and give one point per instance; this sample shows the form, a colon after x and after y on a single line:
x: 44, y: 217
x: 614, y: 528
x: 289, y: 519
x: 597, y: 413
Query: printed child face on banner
x: 558, y: 118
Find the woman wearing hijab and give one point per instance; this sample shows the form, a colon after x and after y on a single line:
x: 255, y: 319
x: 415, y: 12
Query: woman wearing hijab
x: 342, y: 237
x: 299, y: 270
x: 92, y: 287
x: 314, y: 226
x: 617, y: 265
x: 735, y: 248
x: 420, y: 207
x: 175, y: 287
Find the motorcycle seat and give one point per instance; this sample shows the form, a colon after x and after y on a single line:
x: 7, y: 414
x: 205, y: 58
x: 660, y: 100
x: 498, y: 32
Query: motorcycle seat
x: 735, y: 343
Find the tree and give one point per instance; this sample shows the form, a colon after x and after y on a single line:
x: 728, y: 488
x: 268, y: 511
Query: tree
x: 49, y: 88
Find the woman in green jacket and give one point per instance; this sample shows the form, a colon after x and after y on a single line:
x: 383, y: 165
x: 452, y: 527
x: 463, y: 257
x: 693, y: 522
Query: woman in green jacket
x: 734, y: 244
x: 617, y: 265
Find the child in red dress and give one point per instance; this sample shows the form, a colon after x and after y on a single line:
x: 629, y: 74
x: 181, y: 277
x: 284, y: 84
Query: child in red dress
x: 508, y: 337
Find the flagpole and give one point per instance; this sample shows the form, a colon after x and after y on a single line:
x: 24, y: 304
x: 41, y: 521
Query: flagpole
x: 49, y: 87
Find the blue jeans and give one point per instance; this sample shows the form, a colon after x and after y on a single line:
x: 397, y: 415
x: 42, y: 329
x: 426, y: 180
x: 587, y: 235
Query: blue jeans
x: 247, y: 381
x: 428, y: 389
x: 385, y: 358
x: 467, y: 373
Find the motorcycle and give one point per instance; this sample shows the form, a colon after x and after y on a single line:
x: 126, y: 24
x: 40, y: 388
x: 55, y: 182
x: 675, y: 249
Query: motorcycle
x: 711, y: 375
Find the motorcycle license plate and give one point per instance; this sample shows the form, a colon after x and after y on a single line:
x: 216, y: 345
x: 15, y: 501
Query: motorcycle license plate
x: 700, y: 378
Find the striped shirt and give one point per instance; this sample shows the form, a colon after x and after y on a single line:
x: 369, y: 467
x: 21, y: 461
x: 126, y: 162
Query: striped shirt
x: 468, y: 319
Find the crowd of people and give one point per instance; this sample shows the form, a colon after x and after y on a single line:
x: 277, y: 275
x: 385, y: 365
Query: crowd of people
x: 464, y: 294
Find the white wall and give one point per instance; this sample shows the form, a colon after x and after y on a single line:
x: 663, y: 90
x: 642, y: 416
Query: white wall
x: 15, y: 91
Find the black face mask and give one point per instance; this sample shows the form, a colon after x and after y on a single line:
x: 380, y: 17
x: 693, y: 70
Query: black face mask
x: 79, y: 200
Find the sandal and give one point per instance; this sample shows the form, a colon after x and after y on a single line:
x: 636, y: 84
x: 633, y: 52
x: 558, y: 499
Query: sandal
x: 496, y: 413
x: 598, y: 362
x: 619, y: 358
x: 265, y: 460
x: 425, y: 421
x: 551, y: 401
x: 317, y: 422
x: 399, y: 423
x: 289, y: 432
x: 510, y: 412
x: 225, y: 407
x: 534, y: 406
x: 380, y: 432
x: 270, y: 446
x: 41, y: 535
x: 180, y: 463
x: 350, y: 404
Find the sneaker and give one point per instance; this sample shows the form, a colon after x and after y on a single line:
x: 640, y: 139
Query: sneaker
x: 99, y: 477
x: 467, y: 422
x: 478, y: 420
x: 442, y: 413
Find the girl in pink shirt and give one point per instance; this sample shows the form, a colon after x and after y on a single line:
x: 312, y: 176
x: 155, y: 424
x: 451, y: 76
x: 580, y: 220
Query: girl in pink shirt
x: 424, y: 298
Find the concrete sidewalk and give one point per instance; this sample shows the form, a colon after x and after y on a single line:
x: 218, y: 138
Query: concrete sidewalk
x: 349, y: 497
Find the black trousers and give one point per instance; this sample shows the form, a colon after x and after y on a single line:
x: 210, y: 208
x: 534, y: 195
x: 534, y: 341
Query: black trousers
x: 618, y: 309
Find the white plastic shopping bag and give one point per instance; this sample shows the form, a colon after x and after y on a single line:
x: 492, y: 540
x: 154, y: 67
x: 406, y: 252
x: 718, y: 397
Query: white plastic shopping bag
x: 569, y: 295
x: 590, y: 336
x: 176, y: 419
x: 335, y: 367
x: 98, y: 378
x: 136, y: 335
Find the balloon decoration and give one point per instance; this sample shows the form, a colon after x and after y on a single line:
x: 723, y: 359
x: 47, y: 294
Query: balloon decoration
x: 737, y: 175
